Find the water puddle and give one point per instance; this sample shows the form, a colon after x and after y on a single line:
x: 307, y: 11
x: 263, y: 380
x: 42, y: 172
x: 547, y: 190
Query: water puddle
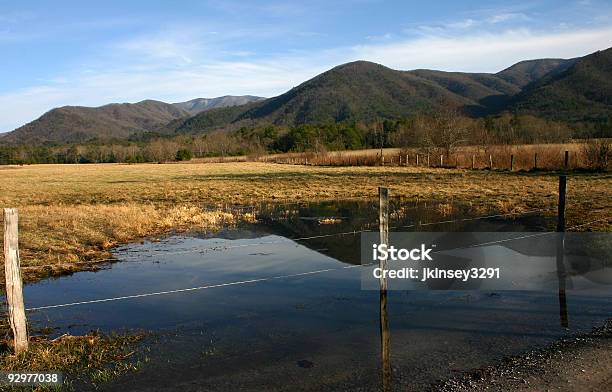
x: 279, y: 327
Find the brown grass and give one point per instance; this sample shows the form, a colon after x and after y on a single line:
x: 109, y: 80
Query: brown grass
x: 71, y: 214
x: 91, y: 359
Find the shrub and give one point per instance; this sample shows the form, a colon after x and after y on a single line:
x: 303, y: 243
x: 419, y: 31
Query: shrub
x: 183, y: 155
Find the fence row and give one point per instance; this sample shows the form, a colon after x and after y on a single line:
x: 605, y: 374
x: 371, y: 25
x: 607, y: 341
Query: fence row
x: 518, y: 160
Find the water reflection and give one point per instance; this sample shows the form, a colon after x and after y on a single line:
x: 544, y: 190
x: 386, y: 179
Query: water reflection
x: 562, y: 275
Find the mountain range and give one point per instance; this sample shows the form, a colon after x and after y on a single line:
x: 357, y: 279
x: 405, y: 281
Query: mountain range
x: 79, y: 124
x: 574, y: 91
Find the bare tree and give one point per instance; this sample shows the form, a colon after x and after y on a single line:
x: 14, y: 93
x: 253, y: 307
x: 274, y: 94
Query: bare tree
x: 449, y: 130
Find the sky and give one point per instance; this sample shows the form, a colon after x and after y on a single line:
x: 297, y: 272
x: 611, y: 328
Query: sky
x: 56, y: 53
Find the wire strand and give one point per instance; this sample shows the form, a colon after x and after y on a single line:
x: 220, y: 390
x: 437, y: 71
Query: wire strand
x: 195, y: 288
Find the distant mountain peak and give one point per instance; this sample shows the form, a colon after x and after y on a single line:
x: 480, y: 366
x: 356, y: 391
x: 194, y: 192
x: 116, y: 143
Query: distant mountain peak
x: 199, y: 105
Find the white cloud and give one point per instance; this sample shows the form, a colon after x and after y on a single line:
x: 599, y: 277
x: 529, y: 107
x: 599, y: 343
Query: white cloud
x: 505, y: 17
x: 483, y: 52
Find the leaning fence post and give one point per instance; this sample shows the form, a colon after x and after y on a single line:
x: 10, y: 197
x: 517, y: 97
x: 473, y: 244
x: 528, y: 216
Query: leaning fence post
x: 561, y: 274
x: 14, y: 285
x: 385, y: 342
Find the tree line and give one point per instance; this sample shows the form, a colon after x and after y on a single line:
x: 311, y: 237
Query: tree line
x: 444, y: 131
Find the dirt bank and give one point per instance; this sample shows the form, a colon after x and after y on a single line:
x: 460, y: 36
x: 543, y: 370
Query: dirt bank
x: 581, y: 363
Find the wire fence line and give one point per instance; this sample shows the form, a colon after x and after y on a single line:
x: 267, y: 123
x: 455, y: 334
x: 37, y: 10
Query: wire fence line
x: 264, y: 279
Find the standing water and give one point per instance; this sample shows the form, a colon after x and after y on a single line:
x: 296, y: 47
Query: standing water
x: 294, y: 316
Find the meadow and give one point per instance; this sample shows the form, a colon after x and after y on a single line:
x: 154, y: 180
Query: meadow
x: 72, y: 215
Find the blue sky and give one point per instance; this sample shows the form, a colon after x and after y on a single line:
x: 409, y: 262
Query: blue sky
x: 57, y: 53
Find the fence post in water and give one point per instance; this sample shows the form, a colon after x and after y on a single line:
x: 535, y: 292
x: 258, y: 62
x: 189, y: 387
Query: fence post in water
x: 14, y: 285
x: 566, y: 164
x: 511, y: 162
x: 383, y: 219
x: 561, y: 274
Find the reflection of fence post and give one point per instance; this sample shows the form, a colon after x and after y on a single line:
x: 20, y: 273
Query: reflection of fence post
x: 561, y: 274
x: 14, y: 285
x: 383, y: 220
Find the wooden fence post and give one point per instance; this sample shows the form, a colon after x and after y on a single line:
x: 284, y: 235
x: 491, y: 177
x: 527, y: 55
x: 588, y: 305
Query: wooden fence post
x: 417, y: 159
x: 490, y: 162
x: 14, y: 285
x: 441, y: 160
x: 473, y: 158
x: 561, y: 273
x: 385, y: 341
x: 428, y: 160
x: 511, y: 162
x: 566, y: 164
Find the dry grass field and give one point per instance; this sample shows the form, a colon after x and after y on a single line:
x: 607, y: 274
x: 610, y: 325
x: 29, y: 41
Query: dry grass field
x: 73, y: 214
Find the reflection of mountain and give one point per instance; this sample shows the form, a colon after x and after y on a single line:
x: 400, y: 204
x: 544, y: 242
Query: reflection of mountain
x: 308, y: 221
